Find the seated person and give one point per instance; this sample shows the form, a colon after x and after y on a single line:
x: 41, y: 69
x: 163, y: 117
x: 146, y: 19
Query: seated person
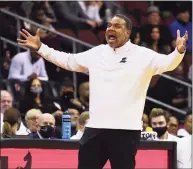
x: 155, y: 42
x: 26, y: 66
x: 36, y: 98
x: 7, y: 102
x: 173, y: 125
x: 145, y: 121
x: 182, y: 23
x: 45, y: 127
x: 83, y: 119
x: 187, y: 130
x: 31, y: 120
x: 11, y: 121
x: 159, y: 124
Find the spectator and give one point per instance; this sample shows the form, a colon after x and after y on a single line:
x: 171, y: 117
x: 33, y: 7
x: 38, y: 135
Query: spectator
x: 75, y: 114
x: 173, y: 125
x: 82, y: 121
x: 84, y: 95
x: 31, y: 120
x: 67, y: 99
x: 91, y: 9
x: 183, y: 24
x: 74, y: 121
x: 135, y: 36
x: 77, y: 18
x: 187, y: 130
x: 38, y: 15
x: 35, y: 98
x: 48, y: 11
x: 159, y: 124
x: 46, y: 127
x: 184, y: 154
x: 66, y: 93
x: 26, y: 66
x: 11, y: 120
x: 154, y: 19
x: 145, y: 120
x: 7, y: 102
x: 155, y: 42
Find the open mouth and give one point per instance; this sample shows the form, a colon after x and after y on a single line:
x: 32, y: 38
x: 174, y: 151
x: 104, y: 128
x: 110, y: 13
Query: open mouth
x: 112, y: 38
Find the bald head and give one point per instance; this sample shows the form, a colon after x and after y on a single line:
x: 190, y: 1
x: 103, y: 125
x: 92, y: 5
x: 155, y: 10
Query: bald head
x: 6, y: 100
x: 46, y: 119
x: 46, y: 125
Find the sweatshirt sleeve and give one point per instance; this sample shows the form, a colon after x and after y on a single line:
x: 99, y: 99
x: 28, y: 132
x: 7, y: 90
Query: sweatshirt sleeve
x: 79, y: 62
x: 161, y: 63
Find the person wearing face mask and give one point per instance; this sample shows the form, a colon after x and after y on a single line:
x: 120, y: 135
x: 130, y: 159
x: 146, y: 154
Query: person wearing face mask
x: 67, y: 99
x: 35, y: 99
x: 45, y: 127
x: 159, y: 124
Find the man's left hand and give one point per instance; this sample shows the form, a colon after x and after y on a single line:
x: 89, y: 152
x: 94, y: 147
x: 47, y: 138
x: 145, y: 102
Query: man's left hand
x: 181, y: 42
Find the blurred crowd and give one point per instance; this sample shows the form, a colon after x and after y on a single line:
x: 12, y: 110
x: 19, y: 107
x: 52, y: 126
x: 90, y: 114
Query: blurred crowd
x: 35, y: 93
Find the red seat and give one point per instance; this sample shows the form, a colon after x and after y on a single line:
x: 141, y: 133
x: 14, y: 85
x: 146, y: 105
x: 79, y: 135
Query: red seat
x: 88, y: 36
x: 67, y: 32
x: 101, y: 36
x: 141, y: 6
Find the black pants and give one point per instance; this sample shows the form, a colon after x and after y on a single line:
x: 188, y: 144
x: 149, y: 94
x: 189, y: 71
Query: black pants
x: 99, y: 145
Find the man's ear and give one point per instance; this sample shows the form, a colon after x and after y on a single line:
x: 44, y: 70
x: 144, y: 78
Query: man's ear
x: 128, y: 32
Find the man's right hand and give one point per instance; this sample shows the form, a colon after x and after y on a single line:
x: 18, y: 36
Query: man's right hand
x: 32, y: 42
x: 32, y: 76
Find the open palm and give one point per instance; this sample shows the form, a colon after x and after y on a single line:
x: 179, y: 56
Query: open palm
x: 181, y: 41
x: 32, y: 42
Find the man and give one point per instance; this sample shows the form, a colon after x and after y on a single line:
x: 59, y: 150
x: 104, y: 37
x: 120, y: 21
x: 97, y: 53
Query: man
x: 182, y: 23
x: 75, y: 114
x: 173, y: 125
x: 46, y: 127
x: 184, y: 154
x: 159, y: 124
x: 7, y: 102
x: 84, y: 95
x: 26, y: 66
x: 187, y: 130
x: 82, y: 121
x: 117, y: 137
x: 31, y: 120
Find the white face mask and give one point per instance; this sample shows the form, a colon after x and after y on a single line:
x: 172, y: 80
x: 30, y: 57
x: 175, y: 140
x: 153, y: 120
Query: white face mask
x: 36, y: 90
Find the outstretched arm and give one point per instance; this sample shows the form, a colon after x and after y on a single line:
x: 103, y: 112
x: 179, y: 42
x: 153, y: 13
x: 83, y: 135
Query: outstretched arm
x: 162, y: 63
x: 73, y: 62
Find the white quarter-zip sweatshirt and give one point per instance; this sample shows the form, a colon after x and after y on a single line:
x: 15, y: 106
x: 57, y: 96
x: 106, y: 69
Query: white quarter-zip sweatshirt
x: 119, y: 79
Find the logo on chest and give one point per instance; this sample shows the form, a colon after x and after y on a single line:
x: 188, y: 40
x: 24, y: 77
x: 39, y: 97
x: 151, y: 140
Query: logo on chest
x: 123, y: 60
